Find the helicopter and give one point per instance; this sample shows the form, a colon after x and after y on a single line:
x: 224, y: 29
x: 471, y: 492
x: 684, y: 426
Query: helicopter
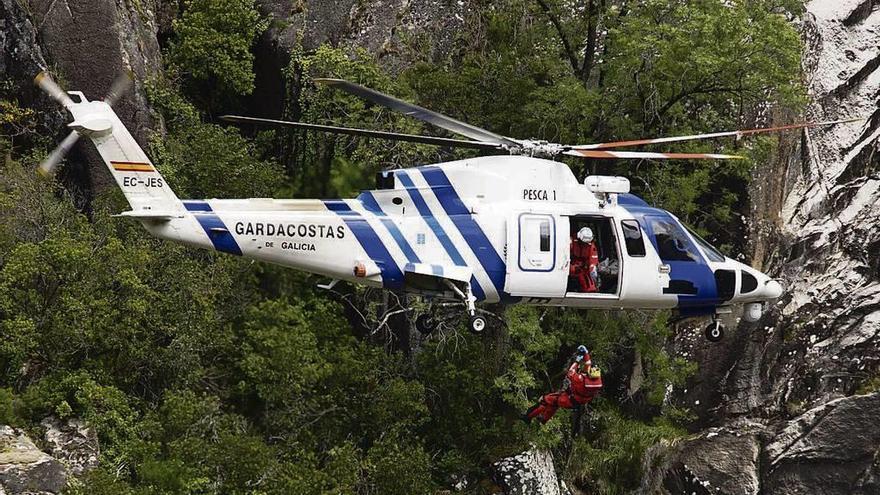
x: 490, y: 229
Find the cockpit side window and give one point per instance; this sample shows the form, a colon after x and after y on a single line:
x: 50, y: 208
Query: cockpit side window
x: 673, y: 243
x: 632, y: 236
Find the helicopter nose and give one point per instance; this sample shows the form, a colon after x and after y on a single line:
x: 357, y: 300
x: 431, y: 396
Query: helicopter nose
x: 772, y: 289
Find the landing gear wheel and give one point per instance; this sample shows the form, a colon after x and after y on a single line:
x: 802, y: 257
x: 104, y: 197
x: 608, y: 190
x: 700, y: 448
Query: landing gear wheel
x: 478, y: 324
x: 714, y: 332
x: 426, y: 324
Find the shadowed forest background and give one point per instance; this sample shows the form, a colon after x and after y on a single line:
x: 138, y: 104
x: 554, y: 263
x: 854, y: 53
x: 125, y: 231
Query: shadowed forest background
x: 205, y: 373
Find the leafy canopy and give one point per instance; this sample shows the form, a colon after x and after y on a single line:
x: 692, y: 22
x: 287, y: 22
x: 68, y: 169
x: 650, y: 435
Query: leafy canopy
x: 213, y: 41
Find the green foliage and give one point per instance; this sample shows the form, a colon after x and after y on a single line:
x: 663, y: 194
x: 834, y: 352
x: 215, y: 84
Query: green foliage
x: 398, y: 466
x: 870, y: 385
x: 201, y: 160
x: 213, y: 40
x: 609, y: 461
x: 8, y: 415
x: 208, y: 161
x: 330, y: 165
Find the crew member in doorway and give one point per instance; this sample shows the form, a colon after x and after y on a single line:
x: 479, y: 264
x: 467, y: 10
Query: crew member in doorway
x: 584, y: 384
x: 585, y: 261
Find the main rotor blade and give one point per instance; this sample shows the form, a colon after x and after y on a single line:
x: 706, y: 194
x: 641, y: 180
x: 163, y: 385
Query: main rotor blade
x: 45, y: 82
x: 120, y: 87
x: 740, y: 133
x: 394, y: 136
x: 650, y: 155
x: 421, y: 113
x: 47, y: 166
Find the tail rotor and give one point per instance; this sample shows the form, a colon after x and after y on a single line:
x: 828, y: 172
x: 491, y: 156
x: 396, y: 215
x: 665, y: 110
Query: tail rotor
x: 48, y: 165
x: 44, y: 81
x: 120, y: 86
x: 50, y: 87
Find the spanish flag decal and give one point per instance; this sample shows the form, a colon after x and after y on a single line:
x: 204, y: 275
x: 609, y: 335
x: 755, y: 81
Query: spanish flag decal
x: 132, y: 167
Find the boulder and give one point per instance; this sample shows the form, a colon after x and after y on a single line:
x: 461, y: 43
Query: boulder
x: 835, y: 446
x: 25, y: 469
x: 722, y: 461
x: 71, y: 442
x: 528, y: 473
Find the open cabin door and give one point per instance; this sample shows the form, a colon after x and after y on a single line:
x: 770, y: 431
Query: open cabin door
x: 537, y: 255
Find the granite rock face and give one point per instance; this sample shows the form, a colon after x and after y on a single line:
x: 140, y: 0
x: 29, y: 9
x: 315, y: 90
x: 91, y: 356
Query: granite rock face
x: 396, y: 32
x: 25, y: 469
x: 787, y: 387
x: 725, y: 461
x: 21, y: 58
x: 835, y: 446
x: 528, y: 473
x: 832, y: 449
x: 72, y: 442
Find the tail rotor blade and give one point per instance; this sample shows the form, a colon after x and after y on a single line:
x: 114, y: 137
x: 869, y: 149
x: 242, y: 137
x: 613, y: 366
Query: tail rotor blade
x: 47, y: 167
x: 120, y: 86
x: 45, y: 82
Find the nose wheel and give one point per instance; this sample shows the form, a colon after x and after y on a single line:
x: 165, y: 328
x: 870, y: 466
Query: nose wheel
x: 714, y: 331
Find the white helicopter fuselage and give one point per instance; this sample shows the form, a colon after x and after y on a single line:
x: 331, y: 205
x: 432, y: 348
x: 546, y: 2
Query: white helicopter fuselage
x: 492, y: 229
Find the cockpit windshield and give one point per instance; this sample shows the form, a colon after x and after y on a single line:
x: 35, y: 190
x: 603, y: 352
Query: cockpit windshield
x: 711, y: 253
x: 673, y: 244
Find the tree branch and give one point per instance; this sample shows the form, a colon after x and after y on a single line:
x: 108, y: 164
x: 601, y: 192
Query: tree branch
x: 590, y: 49
x: 572, y: 56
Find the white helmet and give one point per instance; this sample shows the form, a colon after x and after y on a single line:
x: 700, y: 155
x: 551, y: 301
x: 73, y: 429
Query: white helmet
x: 585, y: 235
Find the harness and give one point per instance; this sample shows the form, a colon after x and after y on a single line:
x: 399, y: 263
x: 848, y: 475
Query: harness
x: 576, y: 398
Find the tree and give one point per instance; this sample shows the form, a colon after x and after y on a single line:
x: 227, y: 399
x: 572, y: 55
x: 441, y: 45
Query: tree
x: 213, y: 41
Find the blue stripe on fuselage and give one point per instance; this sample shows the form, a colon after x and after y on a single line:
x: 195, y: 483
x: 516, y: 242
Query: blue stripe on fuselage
x: 372, y: 206
x: 216, y: 230
x: 392, y: 277
x: 196, y: 205
x: 467, y: 226
x: 435, y: 226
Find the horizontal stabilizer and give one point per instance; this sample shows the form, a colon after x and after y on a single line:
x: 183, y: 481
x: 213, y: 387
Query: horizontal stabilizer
x: 151, y: 215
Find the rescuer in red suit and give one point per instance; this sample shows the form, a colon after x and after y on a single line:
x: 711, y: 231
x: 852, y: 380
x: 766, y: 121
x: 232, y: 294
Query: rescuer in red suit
x: 585, y: 382
x: 584, y: 261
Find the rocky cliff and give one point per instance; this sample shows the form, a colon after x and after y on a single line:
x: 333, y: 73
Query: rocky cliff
x: 86, y: 44
x: 782, y: 396
x: 26, y: 469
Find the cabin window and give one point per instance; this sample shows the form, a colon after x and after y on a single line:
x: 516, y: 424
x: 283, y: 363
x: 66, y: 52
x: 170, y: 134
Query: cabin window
x: 537, y: 248
x: 385, y: 180
x: 544, y: 230
x: 632, y: 236
x: 673, y: 243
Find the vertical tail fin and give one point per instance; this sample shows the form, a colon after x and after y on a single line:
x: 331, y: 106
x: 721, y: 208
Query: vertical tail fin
x: 143, y: 185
